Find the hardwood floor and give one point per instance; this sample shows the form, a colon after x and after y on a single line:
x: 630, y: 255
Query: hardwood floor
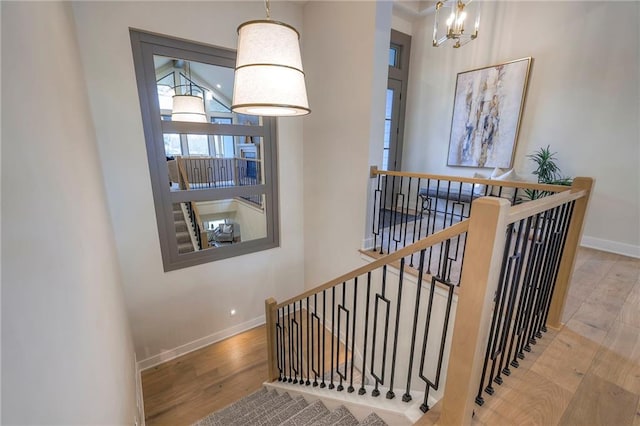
x: 186, y: 389
x: 588, y: 373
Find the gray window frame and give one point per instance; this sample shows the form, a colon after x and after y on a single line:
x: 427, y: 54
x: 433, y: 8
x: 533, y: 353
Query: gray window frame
x: 144, y: 46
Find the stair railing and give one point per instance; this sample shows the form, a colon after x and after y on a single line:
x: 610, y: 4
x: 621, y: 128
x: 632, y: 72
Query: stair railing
x: 512, y: 289
x: 409, y: 206
x: 194, y: 215
x: 375, y: 323
x: 377, y: 327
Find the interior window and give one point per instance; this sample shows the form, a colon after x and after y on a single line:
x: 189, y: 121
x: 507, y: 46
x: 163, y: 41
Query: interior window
x: 213, y: 171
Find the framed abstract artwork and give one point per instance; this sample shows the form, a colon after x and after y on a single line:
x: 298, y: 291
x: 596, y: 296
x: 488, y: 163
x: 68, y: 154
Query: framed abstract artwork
x: 487, y: 109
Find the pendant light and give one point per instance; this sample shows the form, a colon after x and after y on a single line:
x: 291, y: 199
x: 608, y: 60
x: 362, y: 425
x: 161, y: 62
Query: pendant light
x: 188, y: 107
x: 269, y: 79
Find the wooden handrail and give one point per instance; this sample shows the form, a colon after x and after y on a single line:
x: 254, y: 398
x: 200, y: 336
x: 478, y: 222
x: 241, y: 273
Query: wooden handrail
x: 508, y: 183
x: 567, y: 261
x: 525, y: 210
x: 424, y: 243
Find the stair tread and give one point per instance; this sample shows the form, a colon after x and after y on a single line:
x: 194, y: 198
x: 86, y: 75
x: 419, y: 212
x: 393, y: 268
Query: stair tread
x: 220, y: 418
x: 340, y: 416
x: 373, y: 420
x: 311, y: 413
x: 285, y: 412
x: 261, y: 410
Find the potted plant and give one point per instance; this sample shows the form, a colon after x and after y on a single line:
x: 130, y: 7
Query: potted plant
x: 547, y: 172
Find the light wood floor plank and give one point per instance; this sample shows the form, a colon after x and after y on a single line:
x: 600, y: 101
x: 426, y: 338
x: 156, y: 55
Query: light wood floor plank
x: 600, y: 402
x: 618, y: 360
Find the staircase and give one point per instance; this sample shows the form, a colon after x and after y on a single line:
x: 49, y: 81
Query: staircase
x: 270, y: 408
x: 182, y: 231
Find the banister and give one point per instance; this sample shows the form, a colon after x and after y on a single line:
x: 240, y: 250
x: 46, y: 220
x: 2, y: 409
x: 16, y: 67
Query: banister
x: 524, y: 210
x: 493, y: 182
x: 426, y: 242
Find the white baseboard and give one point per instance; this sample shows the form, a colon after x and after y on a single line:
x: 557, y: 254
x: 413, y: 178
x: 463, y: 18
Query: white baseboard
x: 199, y: 343
x: 140, y: 421
x: 367, y: 243
x: 611, y: 246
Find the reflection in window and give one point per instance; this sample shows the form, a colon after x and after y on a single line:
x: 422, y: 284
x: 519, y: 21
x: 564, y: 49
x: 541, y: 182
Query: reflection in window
x: 209, y: 224
x: 198, y: 144
x: 166, y: 91
x: 172, y: 144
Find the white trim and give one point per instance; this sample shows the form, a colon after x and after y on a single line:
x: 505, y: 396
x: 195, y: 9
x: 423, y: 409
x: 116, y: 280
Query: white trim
x: 611, y: 246
x: 367, y: 243
x: 199, y: 343
x: 139, y: 395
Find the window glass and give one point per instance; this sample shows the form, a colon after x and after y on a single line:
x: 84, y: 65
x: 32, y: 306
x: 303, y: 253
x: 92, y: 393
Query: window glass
x: 204, y: 225
x: 393, y: 57
x: 172, y: 144
x: 198, y: 144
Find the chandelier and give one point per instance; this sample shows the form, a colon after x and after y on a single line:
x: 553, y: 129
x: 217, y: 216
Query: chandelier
x: 455, y: 33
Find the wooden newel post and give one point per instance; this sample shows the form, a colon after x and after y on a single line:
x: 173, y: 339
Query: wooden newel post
x: 478, y: 285
x: 270, y: 314
x: 567, y: 262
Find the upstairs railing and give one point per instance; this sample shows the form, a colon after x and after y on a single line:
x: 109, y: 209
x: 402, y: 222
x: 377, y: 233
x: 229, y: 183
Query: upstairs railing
x: 382, y: 331
x: 409, y: 206
x: 214, y: 172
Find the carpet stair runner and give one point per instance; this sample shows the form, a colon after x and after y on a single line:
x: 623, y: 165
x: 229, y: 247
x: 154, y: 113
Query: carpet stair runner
x: 182, y: 233
x: 269, y: 408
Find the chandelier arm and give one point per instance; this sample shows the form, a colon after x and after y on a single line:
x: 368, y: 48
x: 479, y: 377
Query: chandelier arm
x: 267, y: 6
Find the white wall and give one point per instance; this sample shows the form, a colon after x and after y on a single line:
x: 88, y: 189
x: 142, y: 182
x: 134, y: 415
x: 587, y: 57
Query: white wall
x: 175, y: 308
x: 582, y: 100
x: 345, y: 52
x: 67, y: 354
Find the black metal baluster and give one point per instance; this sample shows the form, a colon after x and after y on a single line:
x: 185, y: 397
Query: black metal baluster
x: 333, y: 334
x: 493, y: 331
x: 566, y: 222
x: 375, y: 230
x: 362, y: 390
x: 390, y: 393
x: 392, y: 213
x: 350, y: 389
x: 315, y: 339
x: 324, y: 334
x: 529, y: 336
x: 524, y: 291
x: 380, y: 380
x: 300, y: 345
x: 407, y: 395
x: 289, y: 340
x: 383, y: 207
x: 342, y: 307
x: 514, y: 280
x: 443, y: 339
x: 308, y: 382
x: 417, y: 222
x: 278, y: 347
x: 530, y: 279
x: 502, y: 307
